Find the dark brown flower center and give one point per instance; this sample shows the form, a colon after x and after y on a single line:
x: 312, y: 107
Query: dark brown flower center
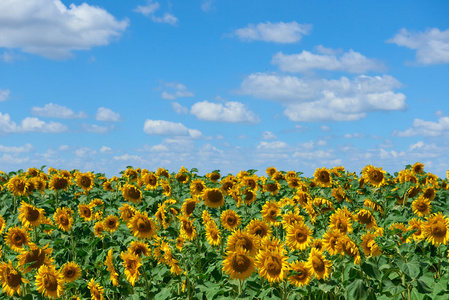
x: 240, y: 263
x: 214, y: 196
x: 50, y: 282
x: 318, y: 264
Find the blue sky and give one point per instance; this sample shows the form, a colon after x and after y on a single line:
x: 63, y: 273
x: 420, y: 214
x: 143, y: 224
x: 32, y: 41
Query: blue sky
x: 229, y: 85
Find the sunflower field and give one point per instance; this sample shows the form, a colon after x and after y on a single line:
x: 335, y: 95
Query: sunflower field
x: 179, y: 235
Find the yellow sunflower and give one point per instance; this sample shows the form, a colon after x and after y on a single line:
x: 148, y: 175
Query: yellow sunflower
x: 291, y: 218
x: 270, y: 211
x: 11, y: 279
x: 214, y: 176
x: 85, y: 180
x: 243, y: 239
x: 270, y: 171
x: 111, y: 223
x: 132, y: 193
x: 85, y: 211
x: 107, y: 186
x: 142, y: 226
x: 96, y: 290
x: 272, y: 266
x: 98, y: 229
x: 369, y: 245
x: 59, y: 182
x: 227, y: 184
x: 248, y: 196
x: 189, y: 206
x: 70, y: 271
x: 330, y: 239
x: 272, y: 244
x: 339, y: 194
x: 166, y: 188
x: 318, y: 264
x: 373, y: 205
x: 417, y: 224
x: 436, y: 229
x: 230, y: 219
x: 34, y: 257
x: 429, y: 193
x: 418, y: 168
x: 250, y: 182
x: 272, y: 187
x: 374, y: 176
x: 365, y: 217
x: 109, y: 263
x: 188, y: 230
x: 238, y: 264
x: 421, y: 206
x: 16, y: 238
x: 299, y: 236
x: 18, y: 185
x: 197, y: 187
x: 2, y: 224
x: 340, y: 221
x: 294, y: 182
x: 213, y: 234
x: 139, y: 248
x: 323, y: 177
x: 63, y: 218
x: 30, y: 215
x: 213, y: 197
x: 131, y: 263
x: 259, y: 228
x: 301, y: 274
x: 126, y: 212
x: 49, y: 281
x: 150, y: 180
x: 346, y: 246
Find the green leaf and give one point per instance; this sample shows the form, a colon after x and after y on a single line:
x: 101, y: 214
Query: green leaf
x: 392, y: 289
x: 416, y: 295
x: 357, y: 290
x: 411, y: 268
x: 422, y: 287
x: 164, y: 294
x: 371, y: 270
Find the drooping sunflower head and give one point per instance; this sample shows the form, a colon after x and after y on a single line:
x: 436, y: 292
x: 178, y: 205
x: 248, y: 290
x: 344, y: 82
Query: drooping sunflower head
x: 429, y: 193
x: 166, y: 188
x: 213, y: 197
x: 96, y: 290
x: 16, y: 238
x: 242, y: 239
x: 127, y: 212
x: 322, y: 177
x: 272, y: 187
x: 99, y: 229
x: 417, y: 224
x: 11, y: 279
x: 318, y: 264
x: 259, y: 228
x: 421, y: 206
x: 436, y: 229
x: 63, y: 218
x: 189, y: 206
x: 227, y: 184
x: 34, y: 257
x: 365, y: 217
x: 348, y: 247
x: 301, y: 274
x: 369, y: 245
x: 373, y: 205
x: 131, y: 263
x: 272, y: 244
x: 2, y: 224
x: 30, y: 215
x: 270, y: 171
x: 188, y: 230
x: 49, y: 281
x: 132, y: 193
x: 330, y: 239
x: 131, y: 174
x: 418, y: 168
x: 107, y: 186
x: 142, y: 226
x: 213, y: 234
x: 238, y: 264
x: 323, y: 205
x: 272, y: 266
x: 70, y: 271
x: 111, y: 223
x: 230, y: 220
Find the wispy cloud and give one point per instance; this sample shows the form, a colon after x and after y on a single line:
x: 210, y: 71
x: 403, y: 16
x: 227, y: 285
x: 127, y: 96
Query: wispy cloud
x: 175, y: 90
x: 4, y: 94
x: 51, y: 110
x: 107, y: 115
x: 426, y: 128
x: 284, y: 33
x: 150, y: 9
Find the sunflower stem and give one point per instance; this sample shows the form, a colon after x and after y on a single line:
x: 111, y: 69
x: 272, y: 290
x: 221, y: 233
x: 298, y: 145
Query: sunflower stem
x: 439, y: 261
x: 240, y: 288
x: 147, y: 283
x: 73, y: 245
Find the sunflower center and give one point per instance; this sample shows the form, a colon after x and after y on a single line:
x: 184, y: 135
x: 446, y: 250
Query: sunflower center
x: 260, y: 231
x: 187, y: 227
x: 248, y: 196
x: 240, y: 263
x: 214, y: 176
x: 87, y: 213
x: 32, y: 214
x: 143, y: 225
x: 181, y: 177
x: 37, y: 256
x: 245, y: 243
x: 111, y: 223
x: 13, y: 279
x: 190, y: 207
x: 60, y: 183
x: 231, y: 220
x: 301, y: 236
x: 214, y: 196
x: 273, y: 265
x: 271, y: 187
x: 152, y: 180
x: 20, y: 185
x: 69, y: 273
x: 227, y: 186
x: 64, y: 220
x: 376, y: 176
x: 421, y: 206
x: 50, y: 282
x: 429, y: 193
x: 318, y: 264
x: 85, y: 181
x: 134, y: 193
x: 18, y: 239
x: 438, y: 229
x: 364, y: 218
x: 324, y: 176
x: 302, y: 274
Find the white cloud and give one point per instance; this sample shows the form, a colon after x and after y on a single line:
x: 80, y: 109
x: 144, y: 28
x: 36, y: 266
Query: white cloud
x: 150, y: 9
x: 6, y: 57
x: 13, y: 159
x: 432, y: 46
x: 96, y: 128
x: 276, y: 145
x: 63, y: 148
x: 105, y: 149
x: 268, y: 135
x: 325, y: 128
x: 84, y: 152
x: 22, y: 149
x: 178, y: 108
x: 50, y: 29
x: 231, y: 111
x: 274, y: 32
x: 426, y: 128
x: 351, y: 61
x: 128, y: 157
x: 207, y: 5
x: 4, y: 94
x: 51, y: 110
x: 323, y: 100
x: 162, y: 127
x: 176, y: 90
x: 36, y: 125
x: 106, y: 114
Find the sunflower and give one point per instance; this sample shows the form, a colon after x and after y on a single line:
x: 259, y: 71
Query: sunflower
x: 85, y: 211
x: 399, y: 229
x: 98, y: 229
x: 272, y: 266
x: 290, y: 218
x: 18, y: 185
x: 323, y: 205
x: 206, y: 216
x: 238, y: 264
x: 303, y: 198
x: 107, y: 186
x: 227, y: 184
x: 59, y: 182
x: 30, y: 215
x: 365, y: 217
x: 16, y: 238
x: 188, y: 230
x: 417, y: 224
x: 369, y: 245
x: 322, y: 177
x: 374, y: 176
x: 318, y: 264
x: 230, y: 219
x: 39, y: 184
x: 111, y: 223
x: 340, y: 221
x: 272, y: 187
x: 2, y: 224
x: 249, y: 181
x: 197, y: 187
x: 270, y: 211
x: 248, y: 196
x: 270, y: 171
x: 373, y: 205
x: 242, y: 239
x: 49, y: 282
x: 302, y: 274
x: 213, y: 197
x: 162, y: 251
x: 85, y: 180
x: 182, y: 176
x: 96, y: 290
x: 70, y: 271
x: 162, y: 172
x: 418, y: 168
x: 421, y: 206
x: 214, y: 176
x: 34, y: 257
x: 294, y: 182
x: 161, y: 215
x: 213, y: 234
x: 318, y: 244
x: 150, y: 180
x: 259, y: 228
x: 180, y: 242
x: 126, y: 212
x: 330, y: 239
x: 131, y: 174
x: 166, y: 188
x: 347, y: 246
x: 272, y: 244
x: 299, y: 236
x: 132, y: 193
x: 429, y: 193
x: 436, y: 229
x: 63, y: 218
x: 110, y: 267
x: 11, y: 279
x: 189, y: 206
x: 138, y: 248
x: 131, y: 263
x: 142, y: 226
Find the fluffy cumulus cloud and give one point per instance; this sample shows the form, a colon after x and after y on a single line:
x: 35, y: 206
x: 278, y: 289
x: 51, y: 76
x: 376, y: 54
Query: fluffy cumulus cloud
x: 350, y: 61
x: 326, y: 100
x: 175, y: 90
x: 231, y: 111
x: 4, y: 94
x: 51, y: 110
x: 432, y: 46
x: 106, y: 114
x: 274, y: 32
x: 162, y: 127
x: 29, y: 125
x: 51, y: 29
x: 21, y: 149
x: 149, y: 10
x: 426, y: 128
